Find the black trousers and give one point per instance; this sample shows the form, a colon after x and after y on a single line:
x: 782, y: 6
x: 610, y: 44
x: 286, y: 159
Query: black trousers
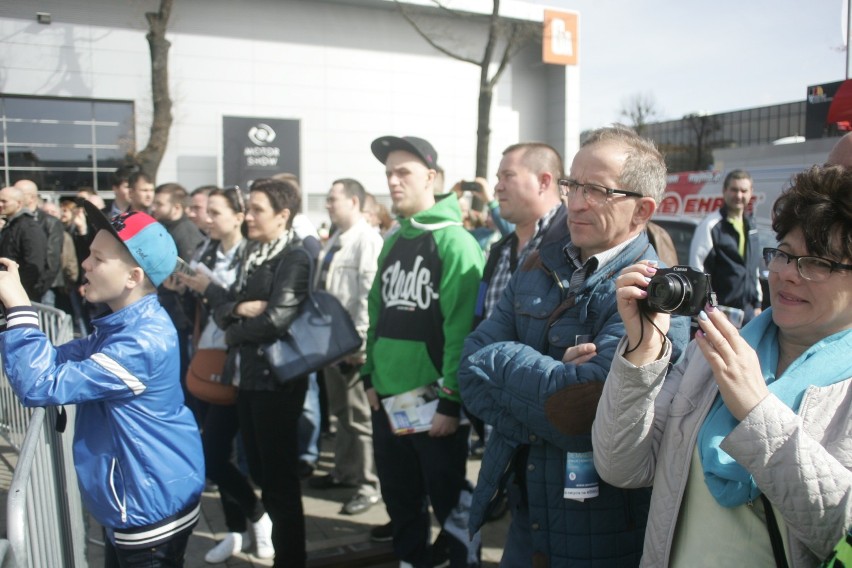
x: 239, y: 502
x: 269, y: 422
x: 414, y: 471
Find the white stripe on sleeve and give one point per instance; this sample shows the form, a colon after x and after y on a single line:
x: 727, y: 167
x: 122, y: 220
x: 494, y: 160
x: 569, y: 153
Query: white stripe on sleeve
x: 134, y: 384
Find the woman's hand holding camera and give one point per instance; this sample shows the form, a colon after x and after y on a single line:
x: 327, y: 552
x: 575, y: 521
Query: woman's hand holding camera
x: 734, y: 363
x: 644, y: 342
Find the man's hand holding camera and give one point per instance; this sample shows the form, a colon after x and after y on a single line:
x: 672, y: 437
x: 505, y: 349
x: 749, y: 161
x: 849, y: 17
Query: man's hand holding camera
x: 12, y: 293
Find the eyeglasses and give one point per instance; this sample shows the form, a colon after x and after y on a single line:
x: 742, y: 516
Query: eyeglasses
x: 593, y: 193
x: 813, y: 268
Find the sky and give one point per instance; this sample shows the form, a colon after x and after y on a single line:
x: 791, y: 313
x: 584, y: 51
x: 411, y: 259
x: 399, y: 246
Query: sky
x: 703, y: 56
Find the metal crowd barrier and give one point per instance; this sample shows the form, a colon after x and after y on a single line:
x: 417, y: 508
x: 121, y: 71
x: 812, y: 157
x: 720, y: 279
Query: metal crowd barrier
x: 44, y: 515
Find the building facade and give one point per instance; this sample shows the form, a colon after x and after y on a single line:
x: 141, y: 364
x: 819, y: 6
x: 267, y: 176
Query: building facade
x: 75, y: 93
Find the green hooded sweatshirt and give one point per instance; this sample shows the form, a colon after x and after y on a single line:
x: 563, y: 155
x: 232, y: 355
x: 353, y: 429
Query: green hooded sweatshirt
x: 421, y: 304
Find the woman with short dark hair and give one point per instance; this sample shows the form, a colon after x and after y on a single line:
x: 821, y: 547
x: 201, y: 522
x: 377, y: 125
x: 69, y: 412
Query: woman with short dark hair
x: 271, y: 283
x: 747, y: 441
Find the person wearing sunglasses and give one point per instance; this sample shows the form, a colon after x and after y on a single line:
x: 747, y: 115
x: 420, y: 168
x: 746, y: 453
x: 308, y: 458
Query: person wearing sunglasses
x: 514, y: 376
x: 746, y: 442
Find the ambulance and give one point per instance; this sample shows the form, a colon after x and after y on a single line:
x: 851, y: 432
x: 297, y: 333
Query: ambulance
x: 690, y: 196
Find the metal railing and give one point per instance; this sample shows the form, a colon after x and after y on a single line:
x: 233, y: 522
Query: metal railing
x: 44, y: 514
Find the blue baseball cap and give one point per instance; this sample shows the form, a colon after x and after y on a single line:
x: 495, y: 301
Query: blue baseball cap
x: 149, y: 243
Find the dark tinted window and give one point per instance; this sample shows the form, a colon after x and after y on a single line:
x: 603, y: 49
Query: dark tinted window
x: 681, y: 233
x: 62, y: 144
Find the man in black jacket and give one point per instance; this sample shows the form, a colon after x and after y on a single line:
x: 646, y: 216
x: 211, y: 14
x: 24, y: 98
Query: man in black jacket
x: 55, y: 234
x: 725, y: 245
x: 23, y: 241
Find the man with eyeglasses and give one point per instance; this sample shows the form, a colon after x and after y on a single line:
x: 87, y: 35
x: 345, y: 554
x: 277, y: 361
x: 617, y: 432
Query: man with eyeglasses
x: 535, y: 368
x: 347, y: 267
x: 725, y: 246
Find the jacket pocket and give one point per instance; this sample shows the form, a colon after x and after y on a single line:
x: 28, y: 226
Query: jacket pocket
x: 532, y: 305
x: 117, y: 488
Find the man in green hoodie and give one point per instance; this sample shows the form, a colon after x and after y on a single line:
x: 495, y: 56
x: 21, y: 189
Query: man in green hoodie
x: 421, y: 308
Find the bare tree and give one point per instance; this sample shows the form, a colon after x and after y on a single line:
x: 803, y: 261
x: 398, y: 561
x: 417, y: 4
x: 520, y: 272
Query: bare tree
x: 513, y: 35
x: 703, y: 125
x: 150, y: 157
x: 639, y: 109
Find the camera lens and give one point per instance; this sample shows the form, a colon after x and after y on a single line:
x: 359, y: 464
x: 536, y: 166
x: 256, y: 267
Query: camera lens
x: 668, y: 292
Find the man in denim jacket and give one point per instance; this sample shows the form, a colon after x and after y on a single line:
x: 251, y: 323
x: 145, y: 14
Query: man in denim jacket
x: 535, y: 368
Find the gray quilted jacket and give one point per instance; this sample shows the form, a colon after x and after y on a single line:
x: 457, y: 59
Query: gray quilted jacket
x: 645, y: 432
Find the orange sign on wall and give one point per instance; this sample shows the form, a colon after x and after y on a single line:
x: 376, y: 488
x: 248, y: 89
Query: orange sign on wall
x: 560, y: 38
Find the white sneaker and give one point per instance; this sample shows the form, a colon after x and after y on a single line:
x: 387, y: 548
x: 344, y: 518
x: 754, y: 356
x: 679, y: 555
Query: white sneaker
x: 230, y: 545
x: 262, y: 531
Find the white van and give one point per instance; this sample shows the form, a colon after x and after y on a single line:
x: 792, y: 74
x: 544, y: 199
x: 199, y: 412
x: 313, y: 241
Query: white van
x: 690, y: 196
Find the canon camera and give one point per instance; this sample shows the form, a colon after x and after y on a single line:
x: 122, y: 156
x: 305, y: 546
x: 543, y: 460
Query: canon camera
x: 680, y: 291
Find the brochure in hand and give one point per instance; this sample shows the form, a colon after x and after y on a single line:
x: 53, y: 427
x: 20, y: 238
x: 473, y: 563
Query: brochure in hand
x: 412, y: 411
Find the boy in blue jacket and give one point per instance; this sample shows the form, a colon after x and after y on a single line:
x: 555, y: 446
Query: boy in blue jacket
x: 137, y: 450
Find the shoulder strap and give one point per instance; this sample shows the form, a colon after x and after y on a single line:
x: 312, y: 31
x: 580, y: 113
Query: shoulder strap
x: 310, y: 269
x: 774, y: 534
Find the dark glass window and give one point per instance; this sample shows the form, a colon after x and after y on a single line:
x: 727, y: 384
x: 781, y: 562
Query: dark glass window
x: 61, y: 143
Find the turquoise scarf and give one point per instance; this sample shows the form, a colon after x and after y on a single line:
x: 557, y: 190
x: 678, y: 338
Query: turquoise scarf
x: 826, y: 362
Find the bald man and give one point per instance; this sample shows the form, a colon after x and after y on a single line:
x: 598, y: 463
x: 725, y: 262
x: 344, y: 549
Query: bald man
x: 23, y: 241
x: 841, y: 154
x: 55, y: 235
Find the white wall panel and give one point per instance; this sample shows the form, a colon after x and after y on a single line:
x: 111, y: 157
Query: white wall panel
x: 349, y: 72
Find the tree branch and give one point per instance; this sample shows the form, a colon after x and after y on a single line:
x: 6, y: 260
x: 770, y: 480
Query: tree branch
x: 429, y: 40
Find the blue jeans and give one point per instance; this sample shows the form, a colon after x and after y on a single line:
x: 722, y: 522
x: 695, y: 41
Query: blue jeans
x: 167, y: 555
x: 309, y: 423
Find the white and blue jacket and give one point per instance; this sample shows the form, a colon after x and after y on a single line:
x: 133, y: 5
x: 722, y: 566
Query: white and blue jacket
x: 137, y: 450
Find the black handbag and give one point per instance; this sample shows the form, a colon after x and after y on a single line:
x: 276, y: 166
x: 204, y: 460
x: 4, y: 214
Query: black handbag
x: 322, y: 334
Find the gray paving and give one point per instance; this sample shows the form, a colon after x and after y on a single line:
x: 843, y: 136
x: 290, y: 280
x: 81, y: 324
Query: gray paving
x: 333, y: 539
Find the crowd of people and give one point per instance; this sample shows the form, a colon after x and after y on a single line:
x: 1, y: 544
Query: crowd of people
x: 516, y: 310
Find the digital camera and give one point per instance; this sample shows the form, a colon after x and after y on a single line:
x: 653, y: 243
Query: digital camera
x: 680, y: 291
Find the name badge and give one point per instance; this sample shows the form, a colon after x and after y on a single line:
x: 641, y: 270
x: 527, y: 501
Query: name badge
x: 581, y: 479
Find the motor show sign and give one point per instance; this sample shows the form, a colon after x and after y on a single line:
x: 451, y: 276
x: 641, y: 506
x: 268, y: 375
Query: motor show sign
x: 258, y: 147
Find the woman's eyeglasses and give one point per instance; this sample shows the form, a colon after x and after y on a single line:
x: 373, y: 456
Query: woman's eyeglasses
x: 813, y: 268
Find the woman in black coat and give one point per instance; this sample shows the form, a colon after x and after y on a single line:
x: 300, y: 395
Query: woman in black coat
x: 271, y: 283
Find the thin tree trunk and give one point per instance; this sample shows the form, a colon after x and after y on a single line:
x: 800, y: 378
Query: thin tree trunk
x: 483, y: 130
x: 150, y: 157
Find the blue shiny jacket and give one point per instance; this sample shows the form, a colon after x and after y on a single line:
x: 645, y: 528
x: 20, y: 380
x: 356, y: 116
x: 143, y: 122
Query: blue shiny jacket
x: 137, y: 450
x: 513, y: 378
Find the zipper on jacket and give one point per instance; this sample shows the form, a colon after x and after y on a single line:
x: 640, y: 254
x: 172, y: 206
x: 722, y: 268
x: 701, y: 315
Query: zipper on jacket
x: 120, y: 503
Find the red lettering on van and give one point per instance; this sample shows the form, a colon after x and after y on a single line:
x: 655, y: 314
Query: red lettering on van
x: 670, y: 205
